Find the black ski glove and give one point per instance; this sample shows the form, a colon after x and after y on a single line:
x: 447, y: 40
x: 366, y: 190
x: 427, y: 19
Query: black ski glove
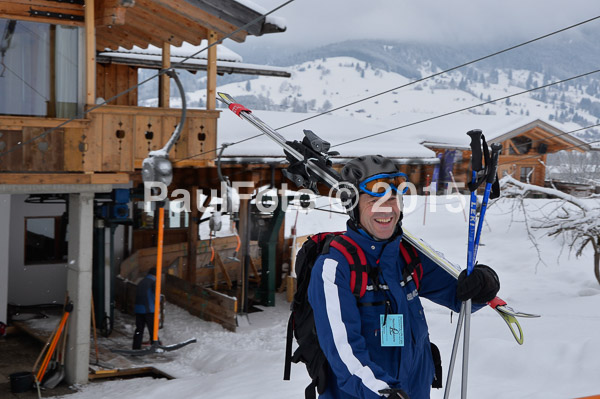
x: 481, y: 285
x: 394, y: 393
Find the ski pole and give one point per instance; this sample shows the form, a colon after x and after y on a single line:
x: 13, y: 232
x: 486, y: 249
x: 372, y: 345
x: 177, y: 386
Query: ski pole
x: 491, y: 164
x: 465, y: 309
x: 471, y: 251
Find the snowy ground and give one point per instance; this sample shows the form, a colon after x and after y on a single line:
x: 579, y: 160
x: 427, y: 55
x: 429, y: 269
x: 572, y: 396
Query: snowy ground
x: 559, y: 359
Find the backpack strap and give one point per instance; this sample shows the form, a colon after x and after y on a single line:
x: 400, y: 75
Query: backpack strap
x: 413, y: 269
x: 358, y: 263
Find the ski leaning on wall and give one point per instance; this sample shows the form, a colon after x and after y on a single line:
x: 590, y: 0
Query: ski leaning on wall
x: 310, y: 164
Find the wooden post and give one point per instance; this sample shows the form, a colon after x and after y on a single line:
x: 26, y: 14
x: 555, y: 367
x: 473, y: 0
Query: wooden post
x: 193, y: 236
x: 211, y: 73
x: 244, y: 255
x: 164, y: 98
x: 90, y: 53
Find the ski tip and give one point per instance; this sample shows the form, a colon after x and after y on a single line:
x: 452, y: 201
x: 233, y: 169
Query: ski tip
x: 226, y: 98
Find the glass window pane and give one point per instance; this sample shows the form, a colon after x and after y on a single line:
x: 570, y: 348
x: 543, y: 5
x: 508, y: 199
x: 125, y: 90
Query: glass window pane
x: 41, y: 70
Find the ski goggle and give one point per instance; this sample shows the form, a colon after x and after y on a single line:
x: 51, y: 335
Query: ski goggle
x: 381, y: 184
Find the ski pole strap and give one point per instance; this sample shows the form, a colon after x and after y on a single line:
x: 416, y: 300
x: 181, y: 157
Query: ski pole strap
x: 287, y: 368
x: 493, y: 172
x: 238, y: 108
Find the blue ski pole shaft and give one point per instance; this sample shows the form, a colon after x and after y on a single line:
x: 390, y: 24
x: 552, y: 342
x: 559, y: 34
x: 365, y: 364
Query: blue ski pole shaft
x: 466, y: 307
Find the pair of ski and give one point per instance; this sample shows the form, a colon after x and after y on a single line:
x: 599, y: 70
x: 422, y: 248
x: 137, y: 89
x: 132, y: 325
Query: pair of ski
x: 310, y: 164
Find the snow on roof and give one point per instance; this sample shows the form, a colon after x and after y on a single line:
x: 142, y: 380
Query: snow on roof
x: 451, y: 130
x: 333, y: 128
x: 271, y: 19
x: 409, y: 143
x: 179, y: 53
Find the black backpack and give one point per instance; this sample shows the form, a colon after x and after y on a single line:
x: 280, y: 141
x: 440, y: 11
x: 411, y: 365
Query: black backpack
x: 301, y: 324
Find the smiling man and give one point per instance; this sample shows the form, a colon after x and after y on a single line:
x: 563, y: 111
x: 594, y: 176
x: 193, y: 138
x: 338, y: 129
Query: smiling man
x: 377, y: 343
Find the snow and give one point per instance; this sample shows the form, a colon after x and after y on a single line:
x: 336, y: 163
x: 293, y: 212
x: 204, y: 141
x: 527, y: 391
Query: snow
x: 177, y: 53
x: 560, y: 357
x: 332, y: 128
x: 271, y: 19
x: 396, y: 123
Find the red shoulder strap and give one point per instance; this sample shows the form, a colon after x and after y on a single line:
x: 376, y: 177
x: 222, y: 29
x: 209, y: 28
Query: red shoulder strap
x: 356, y: 259
x: 413, y: 269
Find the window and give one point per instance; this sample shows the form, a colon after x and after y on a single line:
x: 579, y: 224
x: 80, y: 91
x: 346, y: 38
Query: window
x: 40, y: 69
x: 45, y: 240
x: 526, y: 174
x: 522, y: 144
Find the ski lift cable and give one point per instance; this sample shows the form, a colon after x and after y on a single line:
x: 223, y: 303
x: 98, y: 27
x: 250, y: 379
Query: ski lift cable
x: 409, y: 84
x: 160, y: 73
x: 435, y: 117
x: 443, y: 72
x: 465, y: 108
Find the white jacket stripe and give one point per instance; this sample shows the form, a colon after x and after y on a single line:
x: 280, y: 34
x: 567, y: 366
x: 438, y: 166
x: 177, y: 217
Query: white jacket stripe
x: 338, y: 330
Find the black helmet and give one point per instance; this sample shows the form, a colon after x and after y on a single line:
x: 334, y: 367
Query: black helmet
x: 359, y: 169
x: 366, y: 166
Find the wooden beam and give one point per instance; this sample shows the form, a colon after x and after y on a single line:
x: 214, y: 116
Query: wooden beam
x: 107, y: 34
x: 63, y: 178
x: 104, y: 41
x: 110, y: 13
x: 167, y: 17
x: 19, y: 122
x: 220, y: 266
x: 21, y: 10
x: 513, y: 146
x: 131, y: 372
x: 90, y: 54
x: 186, y: 10
x: 164, y: 28
x: 123, y: 34
x: 146, y: 35
x: 211, y: 72
x: 164, y: 95
x: 203, y: 302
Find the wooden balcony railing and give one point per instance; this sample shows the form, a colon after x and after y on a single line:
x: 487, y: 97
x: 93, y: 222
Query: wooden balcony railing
x: 111, y: 139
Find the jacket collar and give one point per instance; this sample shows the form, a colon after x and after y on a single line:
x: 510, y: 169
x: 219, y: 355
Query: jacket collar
x: 375, y: 249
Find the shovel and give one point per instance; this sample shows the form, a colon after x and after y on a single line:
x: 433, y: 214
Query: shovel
x: 59, y: 373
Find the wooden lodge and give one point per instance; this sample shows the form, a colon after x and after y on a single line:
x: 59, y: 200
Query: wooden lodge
x: 72, y: 143
x: 523, y: 156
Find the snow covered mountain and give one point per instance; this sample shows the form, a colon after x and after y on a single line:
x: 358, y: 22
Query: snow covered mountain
x: 348, y: 72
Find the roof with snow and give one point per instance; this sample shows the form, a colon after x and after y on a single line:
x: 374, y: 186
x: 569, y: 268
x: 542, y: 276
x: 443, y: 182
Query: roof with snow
x: 351, y: 137
x: 333, y: 128
x: 188, y: 57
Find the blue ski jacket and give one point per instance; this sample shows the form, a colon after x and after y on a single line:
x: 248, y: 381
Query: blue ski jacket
x: 349, y: 329
x: 145, y: 295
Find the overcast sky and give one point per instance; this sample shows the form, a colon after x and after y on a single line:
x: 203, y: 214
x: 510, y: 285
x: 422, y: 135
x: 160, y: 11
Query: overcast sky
x: 310, y: 22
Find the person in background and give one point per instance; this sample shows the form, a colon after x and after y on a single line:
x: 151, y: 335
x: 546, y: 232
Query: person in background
x: 144, y: 307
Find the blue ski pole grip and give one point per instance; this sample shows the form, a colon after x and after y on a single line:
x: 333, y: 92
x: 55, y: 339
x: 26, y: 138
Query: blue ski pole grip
x: 475, y: 135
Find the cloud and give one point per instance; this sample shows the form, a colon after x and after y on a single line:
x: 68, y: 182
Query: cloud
x: 314, y: 22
